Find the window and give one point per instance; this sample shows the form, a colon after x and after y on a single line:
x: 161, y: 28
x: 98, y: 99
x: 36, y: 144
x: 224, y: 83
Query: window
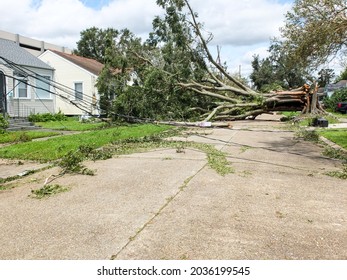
x: 21, y: 88
x: 43, y: 87
x: 78, y: 91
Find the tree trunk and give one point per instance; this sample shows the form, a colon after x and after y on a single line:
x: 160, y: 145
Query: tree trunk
x: 228, y: 109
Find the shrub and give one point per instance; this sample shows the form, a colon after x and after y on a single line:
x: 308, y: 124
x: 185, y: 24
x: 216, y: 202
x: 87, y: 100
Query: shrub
x: 24, y: 137
x: 338, y: 96
x: 3, y: 124
x: 46, y: 117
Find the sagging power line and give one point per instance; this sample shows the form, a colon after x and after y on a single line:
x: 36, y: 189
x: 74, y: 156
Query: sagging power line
x: 84, y: 104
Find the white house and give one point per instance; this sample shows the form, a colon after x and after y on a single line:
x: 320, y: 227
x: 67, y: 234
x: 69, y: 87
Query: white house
x: 25, y: 82
x: 75, y: 77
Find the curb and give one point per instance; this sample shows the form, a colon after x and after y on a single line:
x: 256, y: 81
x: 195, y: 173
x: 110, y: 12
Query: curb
x: 332, y: 144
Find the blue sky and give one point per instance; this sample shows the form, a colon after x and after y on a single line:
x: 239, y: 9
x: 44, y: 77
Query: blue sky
x: 95, y: 4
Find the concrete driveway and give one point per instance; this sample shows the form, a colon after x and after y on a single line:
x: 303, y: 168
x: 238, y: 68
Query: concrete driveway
x: 278, y: 204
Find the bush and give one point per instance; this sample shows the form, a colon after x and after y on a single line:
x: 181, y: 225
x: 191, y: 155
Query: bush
x: 23, y: 137
x: 46, y: 117
x: 3, y: 124
x: 338, y: 96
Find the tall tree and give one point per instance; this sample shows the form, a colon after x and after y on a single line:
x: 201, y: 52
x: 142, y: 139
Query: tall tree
x: 287, y: 70
x: 325, y: 76
x: 95, y: 41
x: 316, y: 30
x: 277, y: 71
x: 120, y: 65
x: 263, y: 74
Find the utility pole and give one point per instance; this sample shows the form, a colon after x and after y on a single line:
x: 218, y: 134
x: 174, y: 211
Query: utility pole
x: 2, y: 94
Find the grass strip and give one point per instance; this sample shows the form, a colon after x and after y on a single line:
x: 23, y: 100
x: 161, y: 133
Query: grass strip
x: 55, y: 148
x: 338, y: 136
x: 71, y: 125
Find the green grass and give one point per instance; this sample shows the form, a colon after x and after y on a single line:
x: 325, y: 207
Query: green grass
x: 71, y: 125
x: 338, y: 136
x: 24, y: 136
x: 290, y: 114
x: 55, y: 148
x: 338, y: 115
x: 308, y: 121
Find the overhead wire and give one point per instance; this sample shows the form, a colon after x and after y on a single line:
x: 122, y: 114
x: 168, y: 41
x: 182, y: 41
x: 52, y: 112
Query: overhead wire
x: 61, y: 96
x: 86, y: 104
x: 27, y: 73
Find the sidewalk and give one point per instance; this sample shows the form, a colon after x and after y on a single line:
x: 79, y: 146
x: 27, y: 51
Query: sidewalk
x: 278, y: 204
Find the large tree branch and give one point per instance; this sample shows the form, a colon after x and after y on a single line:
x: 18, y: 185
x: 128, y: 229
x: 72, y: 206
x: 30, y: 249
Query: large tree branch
x: 209, y: 55
x: 226, y: 106
x: 252, y: 114
x: 201, y: 90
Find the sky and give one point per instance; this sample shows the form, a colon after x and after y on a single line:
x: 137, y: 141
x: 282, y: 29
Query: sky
x: 240, y: 28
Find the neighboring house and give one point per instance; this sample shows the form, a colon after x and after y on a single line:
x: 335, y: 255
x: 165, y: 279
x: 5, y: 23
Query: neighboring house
x: 331, y: 88
x: 78, y: 76
x: 24, y: 89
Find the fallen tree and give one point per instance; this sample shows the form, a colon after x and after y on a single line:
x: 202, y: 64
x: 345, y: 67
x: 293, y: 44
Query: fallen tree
x: 176, y: 63
x: 303, y: 99
x: 233, y: 100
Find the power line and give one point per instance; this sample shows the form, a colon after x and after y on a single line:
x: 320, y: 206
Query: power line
x: 84, y: 109
x: 86, y: 104
x: 26, y: 72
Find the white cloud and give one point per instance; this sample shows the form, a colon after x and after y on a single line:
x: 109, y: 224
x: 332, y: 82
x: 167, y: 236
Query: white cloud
x: 136, y: 15
x: 241, y: 23
x: 241, y: 27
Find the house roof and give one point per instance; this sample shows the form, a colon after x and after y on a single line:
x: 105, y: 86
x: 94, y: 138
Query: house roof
x: 341, y: 83
x: 13, y: 52
x: 88, y: 64
x: 338, y: 85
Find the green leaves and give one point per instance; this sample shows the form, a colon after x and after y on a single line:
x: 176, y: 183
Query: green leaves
x: 3, y: 123
x: 315, y: 30
x: 94, y: 42
x: 278, y: 71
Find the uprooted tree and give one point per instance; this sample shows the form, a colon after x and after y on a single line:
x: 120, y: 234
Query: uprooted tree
x: 179, y: 78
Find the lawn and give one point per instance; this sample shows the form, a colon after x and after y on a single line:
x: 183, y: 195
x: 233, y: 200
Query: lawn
x: 338, y: 136
x: 24, y: 136
x: 307, y: 120
x: 72, y: 124
x: 55, y: 148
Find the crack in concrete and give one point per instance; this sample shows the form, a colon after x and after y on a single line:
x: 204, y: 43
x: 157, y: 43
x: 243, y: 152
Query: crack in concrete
x: 169, y: 200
